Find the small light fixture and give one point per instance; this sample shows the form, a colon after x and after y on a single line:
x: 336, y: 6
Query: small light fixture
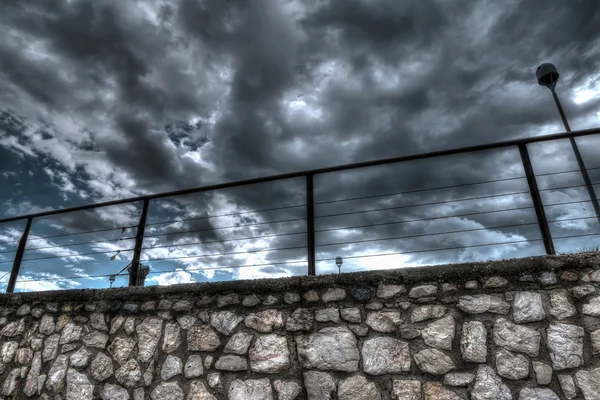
x: 112, y: 278
x: 339, y: 262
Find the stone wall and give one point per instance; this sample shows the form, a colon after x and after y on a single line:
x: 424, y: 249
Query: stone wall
x: 514, y: 329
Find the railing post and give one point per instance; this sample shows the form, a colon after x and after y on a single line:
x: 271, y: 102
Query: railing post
x: 310, y: 224
x: 137, y: 250
x: 537, y: 200
x: 586, y: 178
x: 14, y: 273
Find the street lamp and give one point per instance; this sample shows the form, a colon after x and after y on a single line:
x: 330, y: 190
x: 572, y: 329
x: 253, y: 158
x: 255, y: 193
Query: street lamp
x: 339, y: 262
x: 112, y: 278
x: 547, y: 75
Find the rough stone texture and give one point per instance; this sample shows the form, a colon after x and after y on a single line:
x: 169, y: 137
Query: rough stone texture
x: 567, y: 385
x: 385, y: 291
x: 351, y: 315
x: 78, y: 386
x: 202, y: 338
x: 383, y: 321
x: 251, y: 389
x: 588, y: 382
x: 440, y: 334
x: 167, y: 391
x: 287, y: 390
x: 473, y: 342
x: 172, y: 366
x: 435, y: 391
x: 318, y: 385
x: 270, y: 354
x: 459, y: 379
x: 148, y: 335
x: 565, y: 343
x: 560, y: 305
x: 264, y: 321
x: 120, y: 349
x: 333, y: 294
x: 511, y: 366
x: 129, y: 374
x: 199, y: 392
x: 225, y: 321
x: 193, y: 366
x: 537, y: 394
x: 592, y: 307
x: 516, y: 337
x: 102, y: 367
x: 483, y: 303
x: 543, y: 373
x: 423, y: 313
x: 433, y: 361
x: 300, y: 320
x: 113, y: 392
x: 357, y: 388
x: 341, y: 355
x: 172, y: 337
x: 231, y: 362
x: 406, y: 389
x: 527, y: 307
x: 238, y: 343
x: 489, y: 386
x: 55, y: 381
x: 328, y: 315
x: 385, y: 355
x: 422, y: 291
x: 582, y: 291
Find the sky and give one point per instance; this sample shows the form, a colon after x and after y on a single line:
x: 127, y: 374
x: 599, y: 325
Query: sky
x: 110, y: 99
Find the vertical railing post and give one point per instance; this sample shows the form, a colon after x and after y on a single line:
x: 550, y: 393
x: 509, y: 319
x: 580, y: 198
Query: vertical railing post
x: 537, y: 200
x: 586, y: 178
x: 310, y: 224
x: 14, y: 273
x: 137, y: 250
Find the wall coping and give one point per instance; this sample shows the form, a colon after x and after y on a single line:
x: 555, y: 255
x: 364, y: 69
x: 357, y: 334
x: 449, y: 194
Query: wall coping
x: 435, y: 273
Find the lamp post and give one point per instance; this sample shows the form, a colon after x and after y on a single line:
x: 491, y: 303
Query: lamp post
x: 339, y: 262
x: 547, y: 75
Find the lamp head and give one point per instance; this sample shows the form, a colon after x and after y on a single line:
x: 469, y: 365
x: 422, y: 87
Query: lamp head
x: 338, y: 261
x: 547, y: 75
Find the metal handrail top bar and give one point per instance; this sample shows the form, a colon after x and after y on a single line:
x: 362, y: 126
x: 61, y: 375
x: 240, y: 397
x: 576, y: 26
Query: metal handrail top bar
x: 338, y: 168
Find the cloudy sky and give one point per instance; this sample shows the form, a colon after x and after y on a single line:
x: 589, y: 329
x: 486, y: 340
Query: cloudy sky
x: 103, y: 100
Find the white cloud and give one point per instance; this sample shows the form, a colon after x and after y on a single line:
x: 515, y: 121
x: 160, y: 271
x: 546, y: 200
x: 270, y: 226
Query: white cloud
x: 172, y: 278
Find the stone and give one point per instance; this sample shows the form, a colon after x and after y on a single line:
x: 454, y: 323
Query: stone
x: 287, y: 390
x: 537, y: 394
x: 205, y: 300
x: 357, y: 388
x: 383, y: 321
x: 423, y: 313
x: 238, y: 343
x: 291, y: 298
x: 511, y: 366
x: 172, y: 366
x: 71, y: 333
x: 225, y: 321
x: 66, y: 348
x: 473, y: 345
x: 318, y: 385
x: 433, y: 362
x: 435, y: 391
x: 148, y: 305
x: 516, y: 337
x: 9, y: 349
x: 202, y: 338
x: 182, y: 306
x: 203, y: 316
x: 208, y: 361
x: 165, y: 304
x: 359, y: 330
x: 383, y: 355
x: 47, y: 325
x: 98, y: 321
x: 113, y: 392
x: 495, y: 282
x: 78, y: 386
x: 167, y: 391
x: 582, y: 291
x: 440, y: 333
x: 482, y: 303
x: 328, y: 315
x: 300, y: 320
x: 449, y: 287
x: 96, y: 339
x: 333, y: 294
x: 265, y: 321
x: 311, y: 296
x: 471, y: 285
x: 375, y: 305
x: 193, y: 366
x: 149, y: 374
x: 569, y: 276
x: 270, y: 300
x: 31, y: 383
x: 129, y: 326
x: 543, y: 373
x: 527, y: 307
x: 80, y: 359
x: 406, y: 389
x: 186, y: 321
x: 351, y: 315
x: 547, y: 278
x: 565, y: 343
x: 250, y: 301
x: 270, y: 354
x: 595, y: 339
x: 139, y: 394
x: 214, y: 379
x: 342, y: 351
x: 120, y: 348
x: 11, y: 382
x: 199, y: 392
x: 592, y: 276
x: 422, y: 291
x: 592, y: 307
x: 251, y: 389
x: 51, y: 347
x: 459, y: 379
x: 102, y: 367
x: 23, y: 310
x: 388, y: 291
x: 231, y: 363
x: 567, y: 385
x: 489, y: 386
x: 360, y: 293
x: 560, y: 306
x: 24, y: 356
x: 55, y: 381
x: 228, y: 300
x: 410, y: 333
x: 116, y: 324
x: 172, y: 337
x: 129, y: 374
x: 148, y: 334
x: 588, y: 382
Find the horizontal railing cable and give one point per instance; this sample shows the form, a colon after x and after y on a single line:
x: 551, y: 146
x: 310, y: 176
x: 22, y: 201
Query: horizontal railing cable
x: 72, y: 255
x: 122, y: 228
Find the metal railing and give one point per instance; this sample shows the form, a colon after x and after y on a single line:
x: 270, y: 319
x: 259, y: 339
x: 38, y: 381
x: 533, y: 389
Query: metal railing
x: 521, y: 144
